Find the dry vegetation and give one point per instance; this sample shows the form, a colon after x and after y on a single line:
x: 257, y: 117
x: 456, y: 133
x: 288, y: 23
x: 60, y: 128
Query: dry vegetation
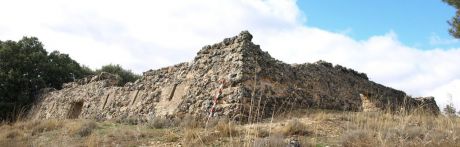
x: 305, y: 127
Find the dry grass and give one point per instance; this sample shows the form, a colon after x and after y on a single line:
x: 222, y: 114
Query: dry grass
x: 171, y: 137
x: 294, y: 127
x: 192, y: 122
x: 127, y: 135
x: 192, y: 135
x: 13, y: 133
x: 93, y: 141
x: 308, y: 127
x: 22, y: 133
x: 214, y: 133
x: 272, y: 141
x: 358, y: 138
x: 259, y: 132
x: 159, y: 123
x: 385, y: 129
x: 81, y: 129
x: 226, y: 128
x: 47, y: 125
x: 200, y: 137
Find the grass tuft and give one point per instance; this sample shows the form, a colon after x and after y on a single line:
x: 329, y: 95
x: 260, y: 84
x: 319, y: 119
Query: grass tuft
x: 47, y: 125
x: 294, y: 127
x: 226, y: 128
x: 358, y: 138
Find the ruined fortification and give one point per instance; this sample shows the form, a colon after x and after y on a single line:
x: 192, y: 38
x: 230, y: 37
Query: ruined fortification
x: 246, y: 80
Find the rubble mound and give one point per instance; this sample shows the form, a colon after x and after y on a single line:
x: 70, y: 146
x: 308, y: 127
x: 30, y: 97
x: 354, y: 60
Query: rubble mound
x: 234, y: 79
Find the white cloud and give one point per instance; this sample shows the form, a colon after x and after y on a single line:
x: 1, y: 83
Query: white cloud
x: 144, y: 34
x: 448, y: 93
x: 148, y: 34
x: 383, y: 58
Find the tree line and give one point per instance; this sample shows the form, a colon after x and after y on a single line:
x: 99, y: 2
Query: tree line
x: 26, y: 68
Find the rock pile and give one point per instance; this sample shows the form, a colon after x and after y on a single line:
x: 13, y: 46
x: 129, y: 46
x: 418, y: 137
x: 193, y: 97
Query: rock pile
x: 253, y: 85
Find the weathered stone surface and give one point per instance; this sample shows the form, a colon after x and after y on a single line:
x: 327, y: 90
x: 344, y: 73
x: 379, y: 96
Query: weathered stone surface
x: 255, y: 86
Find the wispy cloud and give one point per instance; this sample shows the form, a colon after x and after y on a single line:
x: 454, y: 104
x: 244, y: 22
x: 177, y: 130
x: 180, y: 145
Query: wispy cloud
x: 144, y: 34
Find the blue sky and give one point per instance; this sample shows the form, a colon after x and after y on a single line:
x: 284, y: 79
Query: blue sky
x: 414, y: 21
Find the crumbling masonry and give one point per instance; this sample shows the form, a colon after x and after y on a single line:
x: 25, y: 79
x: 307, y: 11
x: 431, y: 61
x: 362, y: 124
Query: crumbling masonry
x: 252, y: 84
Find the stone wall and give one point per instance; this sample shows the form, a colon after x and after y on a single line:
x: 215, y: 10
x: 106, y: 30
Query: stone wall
x: 254, y: 85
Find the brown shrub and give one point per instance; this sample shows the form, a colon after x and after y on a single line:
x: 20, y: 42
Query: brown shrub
x: 212, y: 122
x: 191, y: 122
x: 259, y: 132
x: 131, y: 120
x: 14, y: 143
x: 87, y: 128
x: 47, y: 125
x: 82, y: 129
x: 294, y: 127
x: 358, y: 138
x: 13, y: 133
x: 92, y: 140
x: 414, y: 132
x: 27, y: 125
x: 226, y: 128
x: 192, y: 135
x: 198, y: 137
x: 171, y: 137
x: 125, y: 136
x: 161, y: 122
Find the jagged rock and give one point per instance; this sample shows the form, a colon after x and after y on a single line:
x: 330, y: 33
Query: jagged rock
x: 254, y: 85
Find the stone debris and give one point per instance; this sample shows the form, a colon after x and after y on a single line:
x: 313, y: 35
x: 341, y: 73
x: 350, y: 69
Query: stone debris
x: 256, y: 86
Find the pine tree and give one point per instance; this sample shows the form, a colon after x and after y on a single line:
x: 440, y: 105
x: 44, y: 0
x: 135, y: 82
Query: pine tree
x: 455, y: 21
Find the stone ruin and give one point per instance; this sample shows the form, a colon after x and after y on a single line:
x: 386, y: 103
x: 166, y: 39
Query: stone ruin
x: 248, y: 83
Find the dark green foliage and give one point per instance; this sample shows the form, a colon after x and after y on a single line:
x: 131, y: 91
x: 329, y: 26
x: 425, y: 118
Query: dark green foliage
x: 86, y: 70
x: 26, y: 67
x: 455, y: 21
x: 125, y: 75
x: 63, y: 69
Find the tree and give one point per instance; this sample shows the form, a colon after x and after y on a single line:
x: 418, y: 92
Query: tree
x: 63, y: 69
x: 449, y: 110
x: 455, y: 21
x: 20, y: 72
x: 125, y: 75
x: 25, y: 68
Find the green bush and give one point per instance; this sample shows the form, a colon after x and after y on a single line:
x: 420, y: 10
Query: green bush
x: 125, y: 75
x: 25, y: 68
